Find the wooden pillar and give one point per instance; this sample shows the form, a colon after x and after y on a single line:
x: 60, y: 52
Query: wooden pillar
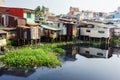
x: 94, y: 39
x: 18, y: 42
x: 28, y: 42
x: 89, y: 39
x: 24, y: 42
x: 83, y: 37
x: 0, y: 49
x: 59, y: 38
x: 39, y: 40
x: 108, y: 40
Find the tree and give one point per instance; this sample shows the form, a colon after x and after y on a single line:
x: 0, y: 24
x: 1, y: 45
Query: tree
x: 38, y: 11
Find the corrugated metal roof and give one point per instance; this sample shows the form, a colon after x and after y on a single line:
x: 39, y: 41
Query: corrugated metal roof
x: 101, y: 24
x: 50, y: 28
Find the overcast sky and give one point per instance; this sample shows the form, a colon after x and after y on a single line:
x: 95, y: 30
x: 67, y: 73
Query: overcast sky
x: 62, y: 6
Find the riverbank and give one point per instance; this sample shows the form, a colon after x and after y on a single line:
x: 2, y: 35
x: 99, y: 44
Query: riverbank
x: 34, y: 56
x: 46, y: 54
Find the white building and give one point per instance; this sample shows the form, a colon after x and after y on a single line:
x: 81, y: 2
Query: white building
x: 97, y: 30
x: 86, y: 15
x: 114, y: 17
x: 94, y: 52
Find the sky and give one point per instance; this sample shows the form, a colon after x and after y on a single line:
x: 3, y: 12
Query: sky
x: 62, y: 6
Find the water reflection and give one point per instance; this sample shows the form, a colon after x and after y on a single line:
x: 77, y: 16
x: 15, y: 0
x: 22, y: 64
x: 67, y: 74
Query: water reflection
x: 70, y: 53
x: 92, y: 52
x: 116, y: 51
x: 21, y: 72
x: 80, y: 62
x: 86, y: 51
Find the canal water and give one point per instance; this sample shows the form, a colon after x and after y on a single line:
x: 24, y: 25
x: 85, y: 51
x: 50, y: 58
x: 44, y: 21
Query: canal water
x: 78, y: 63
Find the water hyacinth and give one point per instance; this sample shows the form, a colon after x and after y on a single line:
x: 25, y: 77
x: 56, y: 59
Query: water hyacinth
x: 45, y: 55
x: 26, y: 57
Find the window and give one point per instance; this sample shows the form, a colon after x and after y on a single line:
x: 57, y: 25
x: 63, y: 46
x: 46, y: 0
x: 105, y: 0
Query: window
x: 87, y: 30
x: 28, y: 15
x: 87, y: 52
x: 100, y: 54
x: 101, y: 31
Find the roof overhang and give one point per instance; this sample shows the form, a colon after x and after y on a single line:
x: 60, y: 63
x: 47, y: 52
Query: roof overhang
x: 50, y: 27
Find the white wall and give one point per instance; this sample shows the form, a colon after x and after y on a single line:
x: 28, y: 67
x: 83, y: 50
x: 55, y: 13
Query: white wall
x: 94, y: 32
x: 94, y: 51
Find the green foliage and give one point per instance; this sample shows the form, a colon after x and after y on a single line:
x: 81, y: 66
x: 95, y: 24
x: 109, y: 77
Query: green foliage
x: 38, y: 11
x: 116, y: 41
x: 9, y: 42
x: 27, y: 57
x: 59, y: 50
x: 35, y: 56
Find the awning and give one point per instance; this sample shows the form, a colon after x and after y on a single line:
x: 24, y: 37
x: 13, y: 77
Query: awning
x: 33, y: 24
x: 50, y: 27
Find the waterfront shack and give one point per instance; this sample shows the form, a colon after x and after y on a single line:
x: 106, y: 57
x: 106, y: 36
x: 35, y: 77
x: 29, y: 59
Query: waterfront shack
x: 96, y: 31
x: 28, y: 33
x: 9, y: 23
x: 49, y: 33
x: 69, y: 29
x: 19, y: 23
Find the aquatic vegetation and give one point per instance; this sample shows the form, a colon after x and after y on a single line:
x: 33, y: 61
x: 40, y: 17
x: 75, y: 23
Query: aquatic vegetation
x: 59, y: 50
x: 27, y: 57
x: 35, y: 56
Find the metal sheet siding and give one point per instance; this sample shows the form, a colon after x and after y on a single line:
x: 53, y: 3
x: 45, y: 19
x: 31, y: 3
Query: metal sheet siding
x: 21, y: 22
x: 33, y: 33
x: 12, y: 11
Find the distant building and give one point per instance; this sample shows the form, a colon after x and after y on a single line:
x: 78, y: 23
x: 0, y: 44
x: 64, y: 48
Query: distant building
x: 97, y: 30
x: 114, y: 15
x: 2, y: 3
x: 73, y: 11
x: 86, y: 15
x: 98, y: 15
x: 45, y: 12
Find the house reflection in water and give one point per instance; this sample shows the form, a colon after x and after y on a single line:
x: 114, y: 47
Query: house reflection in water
x: 92, y: 52
x: 16, y: 71
x: 116, y: 52
x: 70, y: 54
